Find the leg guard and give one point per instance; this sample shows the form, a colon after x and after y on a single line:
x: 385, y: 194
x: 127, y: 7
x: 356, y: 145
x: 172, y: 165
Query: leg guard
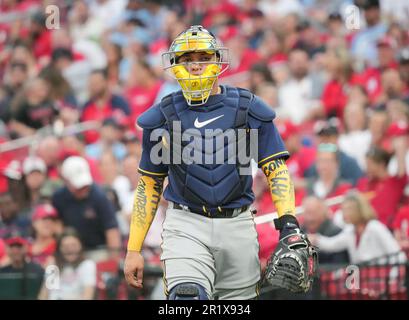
x: 188, y: 291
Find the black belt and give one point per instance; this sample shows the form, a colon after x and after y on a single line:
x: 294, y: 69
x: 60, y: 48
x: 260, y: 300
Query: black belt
x: 215, y: 213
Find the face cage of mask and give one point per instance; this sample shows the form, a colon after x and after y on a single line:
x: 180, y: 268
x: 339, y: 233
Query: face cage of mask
x: 202, y: 95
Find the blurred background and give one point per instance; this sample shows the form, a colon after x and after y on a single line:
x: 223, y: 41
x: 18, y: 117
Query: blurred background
x: 76, y: 74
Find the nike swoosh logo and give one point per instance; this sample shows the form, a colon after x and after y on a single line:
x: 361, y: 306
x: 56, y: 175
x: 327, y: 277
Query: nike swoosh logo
x: 199, y: 124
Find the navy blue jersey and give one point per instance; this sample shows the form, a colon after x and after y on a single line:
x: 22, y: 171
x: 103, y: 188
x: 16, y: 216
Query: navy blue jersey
x: 207, y: 184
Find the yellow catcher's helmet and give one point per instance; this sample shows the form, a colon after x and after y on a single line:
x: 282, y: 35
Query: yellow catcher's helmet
x: 196, y: 88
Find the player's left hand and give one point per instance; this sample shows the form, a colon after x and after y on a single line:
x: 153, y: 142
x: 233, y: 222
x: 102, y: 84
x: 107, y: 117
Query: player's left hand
x: 293, y: 264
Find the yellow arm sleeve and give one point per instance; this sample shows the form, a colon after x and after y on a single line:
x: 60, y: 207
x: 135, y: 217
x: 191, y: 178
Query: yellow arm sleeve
x: 281, y: 186
x: 146, y: 201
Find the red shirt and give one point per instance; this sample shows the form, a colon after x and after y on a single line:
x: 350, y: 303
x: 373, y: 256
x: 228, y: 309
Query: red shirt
x: 371, y: 80
x: 248, y: 58
x: 335, y: 96
x: 384, y: 195
x: 277, y: 59
x: 43, y: 45
x: 268, y: 239
x: 141, y: 98
x: 299, y: 162
x: 41, y: 257
x: 401, y: 221
x: 99, y: 113
x: 2, y: 249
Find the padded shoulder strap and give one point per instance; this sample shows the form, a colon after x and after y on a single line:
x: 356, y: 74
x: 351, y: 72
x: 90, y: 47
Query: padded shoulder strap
x: 245, y: 99
x: 168, y: 108
x: 151, y: 118
x: 261, y: 111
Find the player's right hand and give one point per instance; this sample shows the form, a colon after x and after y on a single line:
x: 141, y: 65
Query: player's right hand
x: 133, y: 269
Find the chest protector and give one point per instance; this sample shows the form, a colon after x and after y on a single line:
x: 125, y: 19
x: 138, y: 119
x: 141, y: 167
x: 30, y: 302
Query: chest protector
x: 206, y: 184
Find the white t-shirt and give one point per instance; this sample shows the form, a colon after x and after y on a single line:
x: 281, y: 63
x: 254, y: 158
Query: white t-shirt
x: 376, y: 241
x: 73, y: 281
x: 356, y: 144
x: 295, y: 99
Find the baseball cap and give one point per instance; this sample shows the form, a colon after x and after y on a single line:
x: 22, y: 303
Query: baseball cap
x: 334, y: 16
x: 131, y: 136
x: 13, y: 170
x: 34, y: 163
x: 367, y: 4
x: 16, y: 240
x: 76, y: 171
x: 229, y: 32
x: 286, y: 129
x: 113, y: 122
x: 399, y: 128
x: 327, y: 127
x: 44, y: 211
x: 386, y: 42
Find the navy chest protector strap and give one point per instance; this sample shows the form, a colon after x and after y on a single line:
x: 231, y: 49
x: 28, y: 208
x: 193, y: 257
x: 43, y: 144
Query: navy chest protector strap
x: 168, y: 108
x: 169, y: 111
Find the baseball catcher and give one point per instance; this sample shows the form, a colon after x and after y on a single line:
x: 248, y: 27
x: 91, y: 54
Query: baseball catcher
x: 203, y: 139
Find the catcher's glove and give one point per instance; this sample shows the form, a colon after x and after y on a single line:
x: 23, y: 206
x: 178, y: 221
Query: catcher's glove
x: 293, y: 263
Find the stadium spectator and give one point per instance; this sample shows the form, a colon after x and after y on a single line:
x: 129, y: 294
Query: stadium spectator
x: 109, y: 141
x: 22, y: 53
x: 62, y: 94
x: 3, y: 255
x: 45, y: 229
x: 14, y: 80
x: 112, y: 177
x: 309, y: 38
x: 327, y: 132
x: 378, y: 125
x: 299, y: 96
x: 400, y: 228
x: 302, y: 156
x: 78, y: 275
x: 371, y: 77
x: 398, y: 132
x: 142, y: 88
x: 75, y: 71
x: 404, y: 68
x: 40, y: 37
x: 316, y: 220
x: 328, y: 183
x: 392, y: 86
x: 103, y: 103
x: 363, y: 45
x: 82, y: 24
x: 34, y: 109
x: 356, y: 138
x: 259, y: 74
x: 74, y: 145
x: 384, y: 191
x: 28, y: 274
x: 49, y: 149
x: 83, y: 205
x: 11, y: 221
x: 365, y: 237
x: 35, y: 176
x: 338, y: 64
x: 133, y: 144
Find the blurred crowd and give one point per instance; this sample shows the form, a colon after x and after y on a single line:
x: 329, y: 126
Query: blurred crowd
x: 76, y: 74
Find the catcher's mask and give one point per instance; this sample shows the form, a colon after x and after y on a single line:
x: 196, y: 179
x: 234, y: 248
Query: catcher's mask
x: 196, y: 88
